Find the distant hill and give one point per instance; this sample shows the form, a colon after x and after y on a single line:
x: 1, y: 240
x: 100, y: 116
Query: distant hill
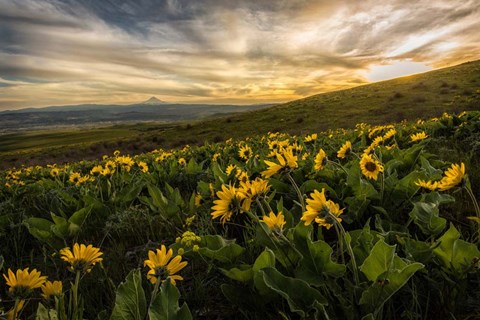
x: 152, y: 110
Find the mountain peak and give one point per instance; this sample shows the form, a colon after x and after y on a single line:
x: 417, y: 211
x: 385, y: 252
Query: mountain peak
x: 153, y: 101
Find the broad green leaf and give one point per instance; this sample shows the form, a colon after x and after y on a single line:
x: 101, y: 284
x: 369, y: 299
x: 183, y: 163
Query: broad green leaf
x: 243, y: 273
x: 455, y: 254
x: 45, y: 314
x: 383, y: 289
x: 78, y: 217
x: 426, y: 216
x: 300, y: 296
x: 379, y: 260
x: 165, y: 304
x: 317, y: 261
x: 217, y: 248
x: 265, y: 260
x: 362, y: 242
x: 60, y: 227
x: 130, y: 303
x: 40, y: 228
x: 388, y: 273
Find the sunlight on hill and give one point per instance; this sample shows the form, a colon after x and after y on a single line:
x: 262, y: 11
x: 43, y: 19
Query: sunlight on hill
x: 394, y: 70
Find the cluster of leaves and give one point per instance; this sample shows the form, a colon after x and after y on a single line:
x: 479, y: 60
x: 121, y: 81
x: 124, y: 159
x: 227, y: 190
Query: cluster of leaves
x: 405, y: 251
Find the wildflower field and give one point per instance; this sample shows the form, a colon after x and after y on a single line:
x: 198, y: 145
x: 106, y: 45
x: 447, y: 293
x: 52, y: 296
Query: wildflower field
x: 376, y: 222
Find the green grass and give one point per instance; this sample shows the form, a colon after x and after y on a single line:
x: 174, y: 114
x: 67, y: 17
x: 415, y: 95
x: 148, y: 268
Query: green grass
x: 425, y: 95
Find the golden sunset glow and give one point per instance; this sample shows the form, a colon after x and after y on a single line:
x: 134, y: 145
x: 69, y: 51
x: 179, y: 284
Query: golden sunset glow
x: 58, y: 52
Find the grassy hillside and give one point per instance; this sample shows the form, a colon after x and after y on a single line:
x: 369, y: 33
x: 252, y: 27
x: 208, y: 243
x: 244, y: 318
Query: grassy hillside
x: 452, y: 89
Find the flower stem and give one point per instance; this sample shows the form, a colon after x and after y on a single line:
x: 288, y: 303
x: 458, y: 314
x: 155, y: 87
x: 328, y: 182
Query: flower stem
x: 297, y: 189
x: 475, y: 203
x: 349, y: 249
x: 17, y: 301
x: 154, y: 292
x: 260, y: 206
x: 75, y: 295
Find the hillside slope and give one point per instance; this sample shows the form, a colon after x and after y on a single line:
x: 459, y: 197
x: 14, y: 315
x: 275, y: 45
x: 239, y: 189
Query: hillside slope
x: 429, y: 94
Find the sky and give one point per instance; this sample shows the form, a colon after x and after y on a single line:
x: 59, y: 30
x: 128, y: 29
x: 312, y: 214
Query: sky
x: 60, y: 52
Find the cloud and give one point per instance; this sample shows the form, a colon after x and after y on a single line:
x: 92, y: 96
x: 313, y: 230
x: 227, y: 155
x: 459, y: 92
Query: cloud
x: 75, y: 51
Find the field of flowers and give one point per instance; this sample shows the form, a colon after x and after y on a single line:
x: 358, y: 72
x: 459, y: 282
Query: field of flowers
x: 379, y: 222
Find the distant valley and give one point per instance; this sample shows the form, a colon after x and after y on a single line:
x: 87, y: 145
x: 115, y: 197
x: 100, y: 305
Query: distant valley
x: 96, y: 115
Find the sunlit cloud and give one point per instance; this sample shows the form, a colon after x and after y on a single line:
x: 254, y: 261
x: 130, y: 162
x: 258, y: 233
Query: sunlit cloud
x: 66, y: 52
x: 395, y: 69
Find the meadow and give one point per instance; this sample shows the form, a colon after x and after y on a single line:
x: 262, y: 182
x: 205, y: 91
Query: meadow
x: 371, y: 222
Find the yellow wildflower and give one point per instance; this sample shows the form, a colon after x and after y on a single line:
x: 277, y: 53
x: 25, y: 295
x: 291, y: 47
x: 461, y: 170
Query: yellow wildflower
x: 275, y: 222
x: 162, y: 266
x: 83, y: 258
x: 370, y: 167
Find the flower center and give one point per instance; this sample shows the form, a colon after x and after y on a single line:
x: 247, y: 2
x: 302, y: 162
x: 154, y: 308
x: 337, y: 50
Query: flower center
x: 371, y: 166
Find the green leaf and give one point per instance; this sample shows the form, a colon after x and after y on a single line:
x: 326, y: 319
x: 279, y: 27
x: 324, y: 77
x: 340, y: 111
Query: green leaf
x: 45, y: 314
x: 40, y: 228
x: 317, y: 261
x: 243, y: 273
x: 426, y: 216
x: 265, y: 260
x: 60, y: 228
x: 388, y: 273
x: 217, y: 248
x: 165, y: 304
x: 130, y: 303
x: 379, y: 260
x: 129, y: 193
x: 362, y: 189
x: 300, y: 296
x: 78, y: 217
x: 383, y: 289
x: 455, y: 254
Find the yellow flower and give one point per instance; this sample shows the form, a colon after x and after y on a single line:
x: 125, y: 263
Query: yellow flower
x: 163, y: 266
x: 430, y: 185
x: 286, y: 161
x: 116, y: 153
x: 241, y: 175
x: 189, y: 238
x: 310, y: 138
x: 418, y: 136
x: 96, y: 170
x: 51, y: 289
x: 198, y: 200
x: 346, y: 147
x: 245, y: 152
x: 390, y: 133
x: 215, y: 156
x: 320, y: 160
x: 22, y: 283
x: 229, y: 169
x: 75, y: 178
x: 55, y: 172
x: 275, y: 222
x: 83, y: 258
x: 182, y: 161
x: 370, y: 167
x: 321, y: 210
x: 453, y: 176
x: 226, y: 204
x: 143, y: 166
x: 11, y: 312
x: 251, y: 190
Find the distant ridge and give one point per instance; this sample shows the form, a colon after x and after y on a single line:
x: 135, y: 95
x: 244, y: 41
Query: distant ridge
x: 153, y: 101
